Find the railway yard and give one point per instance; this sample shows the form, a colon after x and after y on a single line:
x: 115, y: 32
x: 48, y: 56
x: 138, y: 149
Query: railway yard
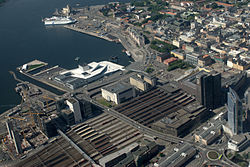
x: 98, y: 137
x: 158, y: 103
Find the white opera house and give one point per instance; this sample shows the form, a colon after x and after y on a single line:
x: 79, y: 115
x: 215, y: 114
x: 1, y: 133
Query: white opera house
x: 84, y: 74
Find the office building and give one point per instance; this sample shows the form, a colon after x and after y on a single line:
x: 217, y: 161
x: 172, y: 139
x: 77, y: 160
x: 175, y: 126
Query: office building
x: 179, y: 54
x: 68, y: 116
x: 136, y: 36
x: 118, y: 92
x: 142, y: 82
x: 210, y: 90
x: 239, y: 142
x: 48, y: 127
x: 209, y: 133
x: 160, y: 58
x: 136, y: 154
x: 235, y: 116
x: 86, y: 108
x: 192, y: 58
x: 205, y: 87
x: 181, y: 121
x: 247, y: 99
x: 75, y: 107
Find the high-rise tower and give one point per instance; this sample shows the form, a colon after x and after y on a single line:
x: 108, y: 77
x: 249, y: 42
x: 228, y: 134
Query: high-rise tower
x: 235, y: 116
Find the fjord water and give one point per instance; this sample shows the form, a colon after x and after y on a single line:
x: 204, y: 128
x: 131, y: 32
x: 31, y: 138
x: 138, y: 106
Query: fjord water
x: 23, y: 38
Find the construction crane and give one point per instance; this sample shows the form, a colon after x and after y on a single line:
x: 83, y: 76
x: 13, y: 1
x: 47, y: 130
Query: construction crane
x: 22, y: 119
x: 30, y: 112
x: 46, y: 97
x: 38, y: 118
x: 47, y: 102
x: 29, y: 105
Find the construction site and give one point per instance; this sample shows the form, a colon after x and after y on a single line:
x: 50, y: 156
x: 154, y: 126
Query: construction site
x: 26, y: 123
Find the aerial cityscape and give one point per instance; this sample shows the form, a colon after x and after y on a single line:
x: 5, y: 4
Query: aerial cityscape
x: 154, y: 83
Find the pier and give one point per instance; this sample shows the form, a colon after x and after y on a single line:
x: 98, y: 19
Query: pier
x: 87, y: 32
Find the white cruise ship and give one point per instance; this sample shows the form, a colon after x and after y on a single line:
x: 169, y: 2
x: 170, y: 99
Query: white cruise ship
x: 58, y: 20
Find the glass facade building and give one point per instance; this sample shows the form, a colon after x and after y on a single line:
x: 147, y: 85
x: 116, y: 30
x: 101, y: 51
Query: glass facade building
x: 235, y: 112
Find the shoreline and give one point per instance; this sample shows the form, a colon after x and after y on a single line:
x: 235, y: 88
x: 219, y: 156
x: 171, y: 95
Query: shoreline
x: 87, y: 32
x: 80, y: 30
x: 44, y: 82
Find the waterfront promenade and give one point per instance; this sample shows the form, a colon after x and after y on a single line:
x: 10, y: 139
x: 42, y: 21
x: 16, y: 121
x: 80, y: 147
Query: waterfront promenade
x: 72, y: 27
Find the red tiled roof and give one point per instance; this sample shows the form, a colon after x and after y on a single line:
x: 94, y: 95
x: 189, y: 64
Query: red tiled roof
x: 171, y: 13
x: 170, y: 60
x: 224, y: 4
x: 205, y: 56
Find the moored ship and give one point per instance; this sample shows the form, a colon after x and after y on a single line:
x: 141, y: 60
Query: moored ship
x: 58, y: 20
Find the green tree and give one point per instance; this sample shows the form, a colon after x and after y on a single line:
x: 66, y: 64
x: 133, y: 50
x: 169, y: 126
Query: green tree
x: 146, y: 39
x: 238, y: 156
x: 162, y: 155
x: 190, y: 18
x: 243, y: 164
x: 149, y: 70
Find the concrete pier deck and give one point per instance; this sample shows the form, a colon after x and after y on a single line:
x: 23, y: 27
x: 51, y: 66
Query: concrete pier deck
x: 71, y: 27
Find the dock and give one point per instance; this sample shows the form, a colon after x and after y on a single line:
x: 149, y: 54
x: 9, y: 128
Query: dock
x: 87, y: 32
x: 33, y: 65
x: 44, y: 82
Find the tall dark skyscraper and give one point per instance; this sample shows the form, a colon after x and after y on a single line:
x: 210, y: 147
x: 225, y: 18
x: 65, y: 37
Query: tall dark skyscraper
x: 235, y: 116
x: 210, y: 90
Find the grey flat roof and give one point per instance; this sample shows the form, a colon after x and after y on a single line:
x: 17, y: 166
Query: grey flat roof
x: 72, y: 100
x: 170, y: 87
x: 118, y: 87
x: 239, y: 138
x: 114, y: 155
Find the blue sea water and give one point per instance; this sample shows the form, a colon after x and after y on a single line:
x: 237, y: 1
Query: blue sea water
x: 23, y: 38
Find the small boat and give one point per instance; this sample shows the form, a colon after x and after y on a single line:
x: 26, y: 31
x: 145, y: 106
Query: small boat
x: 77, y: 58
x: 128, y: 53
x: 113, y: 59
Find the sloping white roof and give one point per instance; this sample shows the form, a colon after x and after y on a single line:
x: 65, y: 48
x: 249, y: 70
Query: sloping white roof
x: 94, y: 69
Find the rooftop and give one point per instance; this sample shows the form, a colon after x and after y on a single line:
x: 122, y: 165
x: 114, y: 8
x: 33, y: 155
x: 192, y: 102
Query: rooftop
x: 94, y: 69
x: 72, y: 100
x: 117, y: 87
x: 238, y: 139
x: 112, y: 156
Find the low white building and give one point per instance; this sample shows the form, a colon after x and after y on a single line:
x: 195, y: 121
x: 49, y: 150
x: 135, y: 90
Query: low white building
x: 239, y: 142
x: 118, y: 92
x: 83, y: 75
x: 94, y: 70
